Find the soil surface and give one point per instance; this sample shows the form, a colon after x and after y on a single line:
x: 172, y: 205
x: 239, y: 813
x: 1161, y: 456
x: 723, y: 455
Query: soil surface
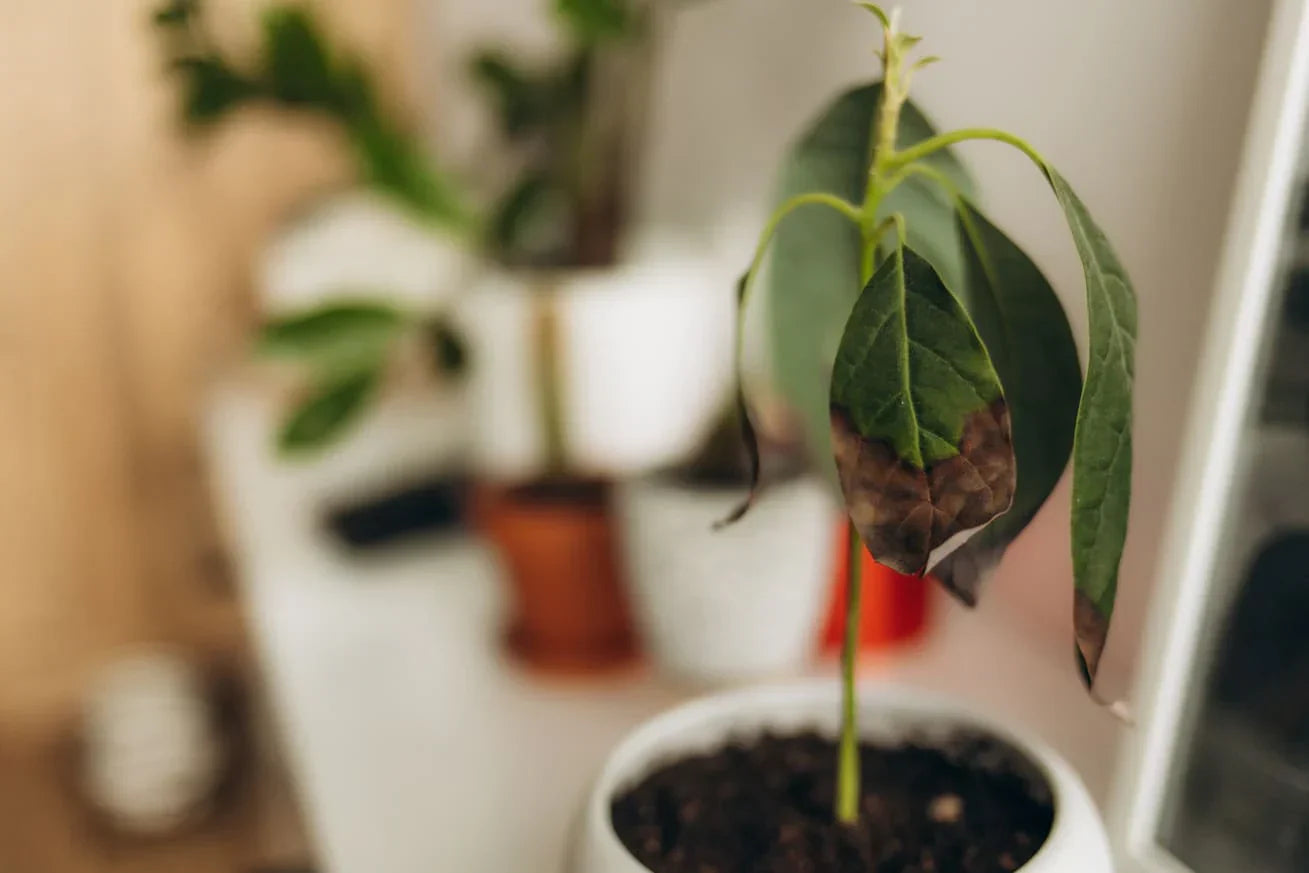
x: 766, y: 807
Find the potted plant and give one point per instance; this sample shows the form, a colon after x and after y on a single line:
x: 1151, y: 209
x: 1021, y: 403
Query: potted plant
x: 715, y: 606
x: 949, y: 418
x: 566, y: 369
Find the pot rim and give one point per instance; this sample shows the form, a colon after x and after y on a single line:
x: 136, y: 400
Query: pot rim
x: 632, y: 751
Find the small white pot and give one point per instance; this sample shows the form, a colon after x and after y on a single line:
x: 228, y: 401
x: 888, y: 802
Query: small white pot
x: 1076, y: 844
x: 742, y: 602
x: 644, y: 359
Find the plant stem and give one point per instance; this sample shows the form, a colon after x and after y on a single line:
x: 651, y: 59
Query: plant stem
x: 550, y: 380
x: 816, y: 198
x: 847, y: 770
x: 934, y: 144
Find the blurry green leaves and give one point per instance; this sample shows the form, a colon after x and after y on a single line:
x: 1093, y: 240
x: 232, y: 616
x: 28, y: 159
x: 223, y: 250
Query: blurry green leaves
x: 175, y: 13
x: 333, y: 405
x: 298, y: 66
x: 211, y: 89
x: 814, y: 273
x: 1031, y: 345
x: 594, y: 20
x: 920, y: 427
x: 335, y: 333
x: 295, y: 67
x: 345, y: 349
x: 541, y: 110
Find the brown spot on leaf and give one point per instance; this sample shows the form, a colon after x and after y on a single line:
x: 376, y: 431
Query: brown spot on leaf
x: 1090, y: 628
x: 904, y: 513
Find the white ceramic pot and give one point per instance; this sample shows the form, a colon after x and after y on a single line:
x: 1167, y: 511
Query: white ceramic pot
x: 742, y: 602
x: 644, y: 360
x: 1076, y: 844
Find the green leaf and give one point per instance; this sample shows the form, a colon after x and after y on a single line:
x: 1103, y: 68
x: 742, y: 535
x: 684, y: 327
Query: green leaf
x: 746, y: 429
x: 521, y: 101
x: 594, y: 20
x: 175, y: 13
x: 1102, y: 446
x: 299, y: 66
x: 523, y: 210
x: 877, y: 11
x: 814, y: 274
x: 211, y: 89
x: 1027, y: 335
x: 341, y: 334
x: 920, y: 426
x: 327, y: 413
x: 395, y: 163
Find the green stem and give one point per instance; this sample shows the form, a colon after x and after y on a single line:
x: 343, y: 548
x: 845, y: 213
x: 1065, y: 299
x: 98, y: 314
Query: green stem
x: 816, y: 198
x: 847, y: 771
x: 934, y: 144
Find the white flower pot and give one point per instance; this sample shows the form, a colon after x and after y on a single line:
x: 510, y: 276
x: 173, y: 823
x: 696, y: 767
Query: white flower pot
x: 644, y: 360
x: 745, y: 601
x: 1076, y: 843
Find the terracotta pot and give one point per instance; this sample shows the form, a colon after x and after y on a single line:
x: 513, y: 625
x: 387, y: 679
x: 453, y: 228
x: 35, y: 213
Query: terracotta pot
x: 557, y: 545
x: 894, y: 608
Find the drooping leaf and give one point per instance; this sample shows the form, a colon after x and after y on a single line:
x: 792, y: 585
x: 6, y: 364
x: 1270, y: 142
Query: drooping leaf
x: 920, y: 427
x: 1027, y: 334
x: 814, y: 273
x: 344, y: 332
x: 749, y: 437
x: 326, y: 414
x: 1102, y: 445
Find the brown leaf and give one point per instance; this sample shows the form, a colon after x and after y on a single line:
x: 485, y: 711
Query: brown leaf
x: 1091, y: 629
x: 905, y: 514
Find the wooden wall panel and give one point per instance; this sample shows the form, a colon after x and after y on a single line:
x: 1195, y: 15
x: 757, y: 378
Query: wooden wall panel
x: 125, y: 263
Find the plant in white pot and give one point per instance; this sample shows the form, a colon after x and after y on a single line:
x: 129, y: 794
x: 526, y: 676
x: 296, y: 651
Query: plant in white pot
x: 743, y: 602
x: 954, y: 402
x: 569, y: 383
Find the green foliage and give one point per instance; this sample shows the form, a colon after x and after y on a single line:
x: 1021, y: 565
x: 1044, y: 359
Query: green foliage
x: 341, y: 331
x: 327, y: 413
x: 920, y: 428
x: 567, y: 146
x: 593, y: 20
x: 345, y: 347
x: 543, y: 111
x: 295, y: 67
x: 814, y: 273
x: 1102, y: 447
x: 911, y: 368
x: 1031, y: 344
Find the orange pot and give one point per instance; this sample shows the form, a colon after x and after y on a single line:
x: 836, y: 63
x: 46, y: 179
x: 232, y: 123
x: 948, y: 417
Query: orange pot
x: 895, y: 606
x: 556, y: 541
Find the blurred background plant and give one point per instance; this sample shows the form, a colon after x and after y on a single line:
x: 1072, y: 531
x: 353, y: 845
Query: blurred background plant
x: 570, y: 127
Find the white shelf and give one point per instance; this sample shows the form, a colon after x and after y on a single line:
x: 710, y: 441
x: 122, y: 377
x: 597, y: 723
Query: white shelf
x: 415, y: 746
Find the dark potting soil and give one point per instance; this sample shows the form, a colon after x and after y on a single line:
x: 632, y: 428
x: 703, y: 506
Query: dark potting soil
x: 766, y: 806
